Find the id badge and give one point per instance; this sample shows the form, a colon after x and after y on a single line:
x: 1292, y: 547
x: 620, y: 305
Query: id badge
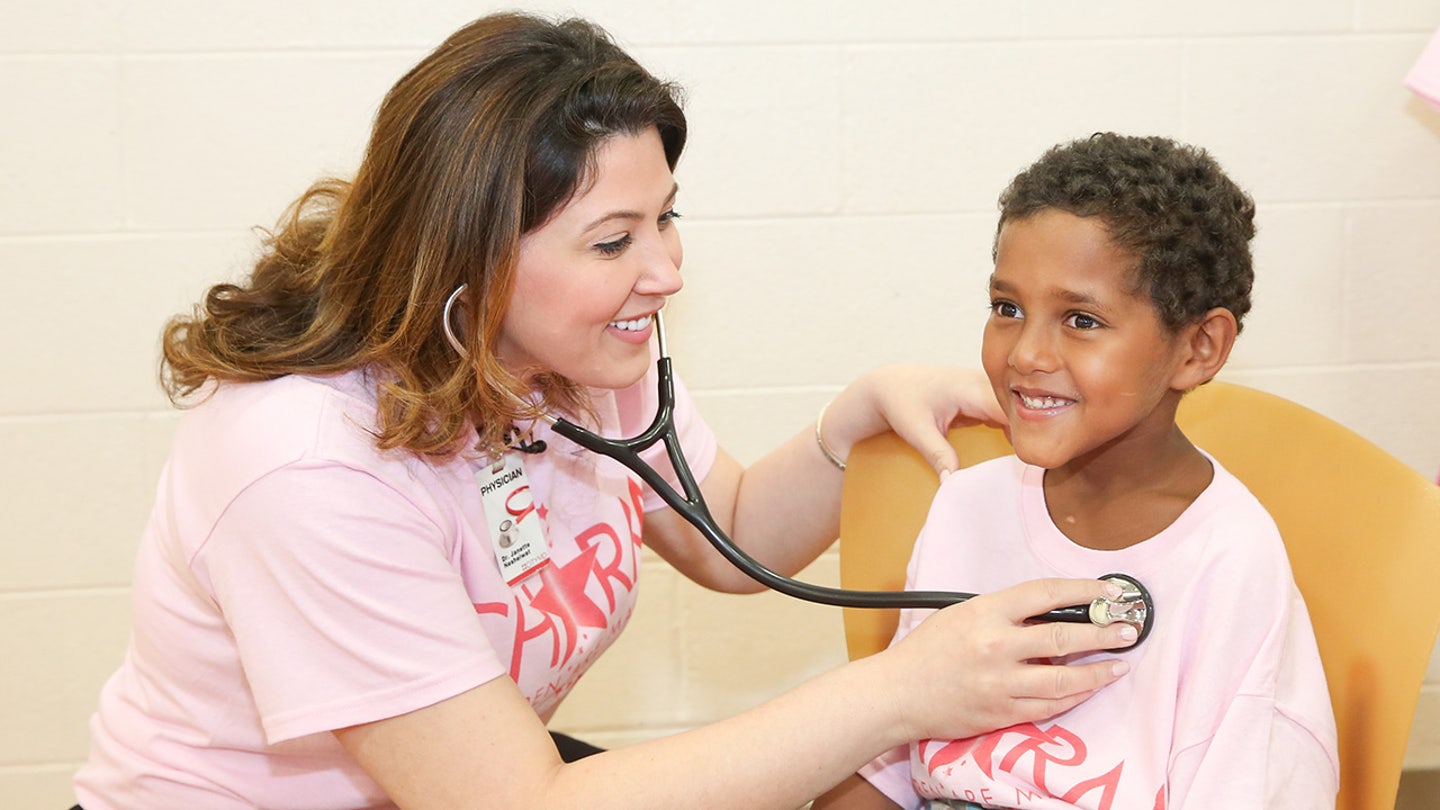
x: 515, y: 529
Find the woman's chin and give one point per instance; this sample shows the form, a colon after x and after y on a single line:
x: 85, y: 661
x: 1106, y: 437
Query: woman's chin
x: 614, y: 377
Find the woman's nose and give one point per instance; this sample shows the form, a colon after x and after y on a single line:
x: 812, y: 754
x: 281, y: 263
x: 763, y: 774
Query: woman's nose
x: 660, y: 274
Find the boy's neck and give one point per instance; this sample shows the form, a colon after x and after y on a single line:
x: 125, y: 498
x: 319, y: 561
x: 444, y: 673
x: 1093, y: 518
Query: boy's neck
x: 1108, y: 506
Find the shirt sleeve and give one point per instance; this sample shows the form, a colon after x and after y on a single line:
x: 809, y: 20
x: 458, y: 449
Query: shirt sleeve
x: 889, y: 773
x: 343, y: 602
x: 1269, y: 747
x: 1258, y: 758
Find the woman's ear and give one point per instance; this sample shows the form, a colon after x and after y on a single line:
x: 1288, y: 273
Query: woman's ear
x: 1207, y: 345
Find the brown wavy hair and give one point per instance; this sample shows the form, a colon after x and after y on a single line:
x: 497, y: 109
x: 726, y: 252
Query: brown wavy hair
x: 481, y: 142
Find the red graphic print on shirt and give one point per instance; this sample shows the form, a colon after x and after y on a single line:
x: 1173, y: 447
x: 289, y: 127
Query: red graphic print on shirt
x: 556, y: 604
x: 1008, y: 751
x: 612, y: 573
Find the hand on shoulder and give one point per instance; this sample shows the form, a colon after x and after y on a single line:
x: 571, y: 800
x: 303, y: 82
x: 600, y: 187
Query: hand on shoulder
x: 920, y: 403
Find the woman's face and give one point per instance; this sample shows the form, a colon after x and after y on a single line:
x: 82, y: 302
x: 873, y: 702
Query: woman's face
x: 589, y: 281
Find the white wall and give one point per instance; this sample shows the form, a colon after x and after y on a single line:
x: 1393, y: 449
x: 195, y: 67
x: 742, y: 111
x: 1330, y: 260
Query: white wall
x: 839, y: 199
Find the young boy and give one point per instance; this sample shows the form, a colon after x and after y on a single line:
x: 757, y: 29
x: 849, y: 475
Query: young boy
x: 1122, y: 272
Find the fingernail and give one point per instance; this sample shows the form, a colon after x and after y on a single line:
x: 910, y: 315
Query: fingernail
x: 1114, y: 591
x: 1128, y: 632
x: 1118, y: 667
x: 946, y: 474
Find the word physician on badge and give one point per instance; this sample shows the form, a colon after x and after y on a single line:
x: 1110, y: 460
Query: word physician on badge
x: 510, y: 515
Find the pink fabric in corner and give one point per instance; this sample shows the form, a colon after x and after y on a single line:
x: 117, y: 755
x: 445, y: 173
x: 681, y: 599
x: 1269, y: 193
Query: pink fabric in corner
x: 1424, y: 76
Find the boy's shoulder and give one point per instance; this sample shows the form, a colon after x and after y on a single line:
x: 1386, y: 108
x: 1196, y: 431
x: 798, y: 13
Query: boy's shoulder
x: 1230, y: 527
x: 976, y: 493
x: 984, y: 476
x: 1229, y: 496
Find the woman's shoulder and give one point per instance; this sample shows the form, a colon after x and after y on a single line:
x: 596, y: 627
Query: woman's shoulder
x: 292, y: 407
x: 255, y: 427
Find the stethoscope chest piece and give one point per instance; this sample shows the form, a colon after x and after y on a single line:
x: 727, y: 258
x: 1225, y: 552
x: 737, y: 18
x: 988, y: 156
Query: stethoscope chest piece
x: 1133, y: 607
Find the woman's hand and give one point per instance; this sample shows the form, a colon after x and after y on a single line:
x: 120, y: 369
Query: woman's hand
x: 978, y: 666
x: 920, y: 403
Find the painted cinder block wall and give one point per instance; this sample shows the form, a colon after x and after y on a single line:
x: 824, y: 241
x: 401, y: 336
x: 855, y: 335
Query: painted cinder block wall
x: 839, y: 197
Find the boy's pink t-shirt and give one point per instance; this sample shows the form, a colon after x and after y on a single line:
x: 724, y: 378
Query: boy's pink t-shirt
x: 1226, y: 703
x: 294, y: 580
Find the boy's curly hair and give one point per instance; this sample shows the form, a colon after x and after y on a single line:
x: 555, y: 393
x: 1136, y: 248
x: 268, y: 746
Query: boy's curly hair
x: 1169, y: 204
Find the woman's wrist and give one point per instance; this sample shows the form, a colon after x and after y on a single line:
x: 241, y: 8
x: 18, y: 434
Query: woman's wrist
x: 830, y: 455
x: 891, y: 697
x: 853, y: 415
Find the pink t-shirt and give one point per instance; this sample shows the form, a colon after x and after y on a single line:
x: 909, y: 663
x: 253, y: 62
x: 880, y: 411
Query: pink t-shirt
x: 1225, y: 706
x: 1424, y: 75
x: 294, y: 580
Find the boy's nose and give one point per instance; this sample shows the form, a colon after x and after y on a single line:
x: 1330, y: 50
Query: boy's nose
x: 1034, y: 351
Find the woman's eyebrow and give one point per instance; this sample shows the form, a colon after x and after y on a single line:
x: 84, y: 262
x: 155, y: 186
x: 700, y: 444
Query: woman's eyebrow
x: 628, y: 214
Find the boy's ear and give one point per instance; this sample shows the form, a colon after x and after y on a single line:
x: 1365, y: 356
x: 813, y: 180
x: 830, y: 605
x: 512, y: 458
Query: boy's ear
x: 1207, y: 347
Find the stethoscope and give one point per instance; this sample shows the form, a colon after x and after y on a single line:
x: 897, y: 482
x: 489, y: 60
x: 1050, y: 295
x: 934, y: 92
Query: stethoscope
x: 1133, y: 607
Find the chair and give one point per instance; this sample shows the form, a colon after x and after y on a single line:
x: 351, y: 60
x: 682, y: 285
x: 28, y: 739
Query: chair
x: 1362, y: 530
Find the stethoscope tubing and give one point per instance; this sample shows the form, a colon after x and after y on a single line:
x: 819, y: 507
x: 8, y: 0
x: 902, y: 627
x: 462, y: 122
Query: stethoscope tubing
x: 692, y: 507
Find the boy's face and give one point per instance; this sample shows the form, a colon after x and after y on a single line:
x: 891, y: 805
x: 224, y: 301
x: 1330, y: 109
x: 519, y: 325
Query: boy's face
x: 1080, y: 362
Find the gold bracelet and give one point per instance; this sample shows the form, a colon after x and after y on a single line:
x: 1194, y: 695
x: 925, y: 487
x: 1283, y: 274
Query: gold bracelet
x: 820, y: 440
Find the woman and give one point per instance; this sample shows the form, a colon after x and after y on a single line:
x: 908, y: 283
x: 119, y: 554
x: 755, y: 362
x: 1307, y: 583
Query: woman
x: 343, y: 599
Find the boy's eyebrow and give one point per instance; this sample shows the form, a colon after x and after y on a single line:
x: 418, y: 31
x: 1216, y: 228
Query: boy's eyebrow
x: 1079, y: 298
x: 1070, y: 296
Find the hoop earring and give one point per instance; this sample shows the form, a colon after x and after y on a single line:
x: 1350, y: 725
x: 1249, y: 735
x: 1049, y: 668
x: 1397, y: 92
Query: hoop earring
x: 445, y: 321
